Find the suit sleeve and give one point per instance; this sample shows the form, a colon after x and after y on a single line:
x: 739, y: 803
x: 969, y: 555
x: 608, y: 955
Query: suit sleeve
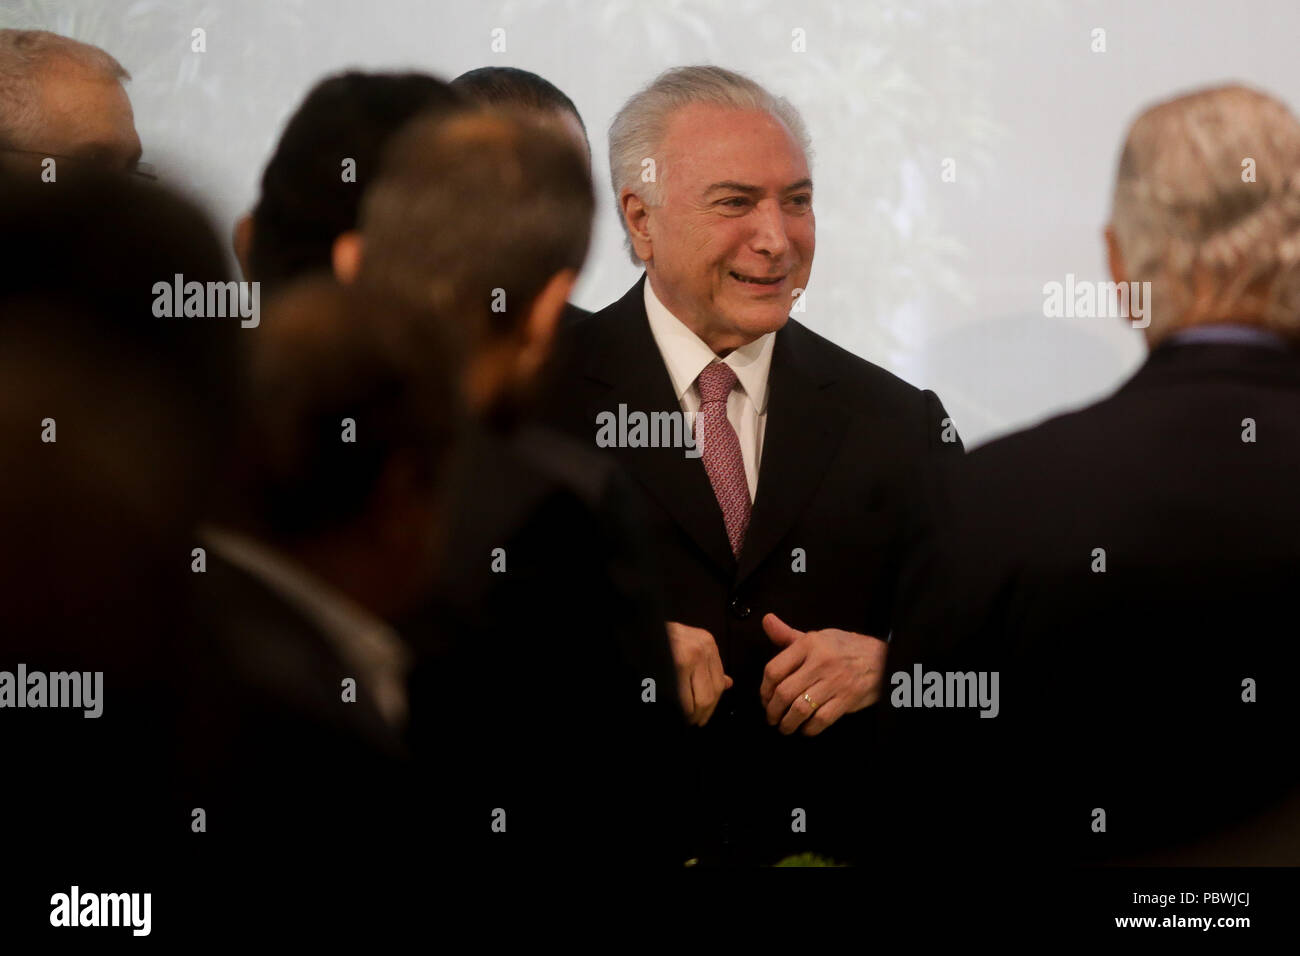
x: 930, y: 513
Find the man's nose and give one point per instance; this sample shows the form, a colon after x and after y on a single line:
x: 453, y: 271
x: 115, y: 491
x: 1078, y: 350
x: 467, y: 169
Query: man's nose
x: 769, y: 230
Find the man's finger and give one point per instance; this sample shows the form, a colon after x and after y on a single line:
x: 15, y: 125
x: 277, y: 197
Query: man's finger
x: 781, y: 667
x: 717, y: 679
x: 825, y: 715
x: 684, y: 692
x: 705, y: 696
x: 779, y: 632
x: 801, y: 710
x: 783, y: 696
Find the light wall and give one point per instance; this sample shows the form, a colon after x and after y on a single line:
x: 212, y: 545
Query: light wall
x: 941, y: 282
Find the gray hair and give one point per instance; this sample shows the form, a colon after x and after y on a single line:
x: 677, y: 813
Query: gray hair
x: 1188, y: 219
x: 638, y: 130
x: 24, y: 56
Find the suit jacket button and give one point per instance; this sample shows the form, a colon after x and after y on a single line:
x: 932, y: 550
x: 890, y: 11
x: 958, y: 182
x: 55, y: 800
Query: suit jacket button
x: 739, y: 608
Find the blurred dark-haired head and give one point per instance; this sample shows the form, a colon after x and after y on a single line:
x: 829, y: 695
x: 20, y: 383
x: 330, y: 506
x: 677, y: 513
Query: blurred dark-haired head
x: 114, y: 420
x: 484, y: 221
x: 353, y: 413
x: 509, y: 86
x: 328, y: 154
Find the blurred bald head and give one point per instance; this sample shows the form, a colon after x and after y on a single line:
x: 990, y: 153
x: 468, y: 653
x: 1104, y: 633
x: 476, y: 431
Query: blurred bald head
x: 62, y: 98
x: 475, y: 203
x: 482, y: 220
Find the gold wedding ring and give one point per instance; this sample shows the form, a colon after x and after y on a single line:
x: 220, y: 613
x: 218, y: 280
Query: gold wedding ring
x: 809, y: 700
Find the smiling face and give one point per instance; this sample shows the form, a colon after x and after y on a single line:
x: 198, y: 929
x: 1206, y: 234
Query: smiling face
x: 734, y: 236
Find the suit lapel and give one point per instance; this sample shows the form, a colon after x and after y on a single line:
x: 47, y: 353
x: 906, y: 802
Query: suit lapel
x: 626, y: 360
x: 804, y: 429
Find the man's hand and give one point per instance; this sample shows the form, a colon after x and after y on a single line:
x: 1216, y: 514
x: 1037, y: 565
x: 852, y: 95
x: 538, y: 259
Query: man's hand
x: 841, y: 672
x: 700, y: 680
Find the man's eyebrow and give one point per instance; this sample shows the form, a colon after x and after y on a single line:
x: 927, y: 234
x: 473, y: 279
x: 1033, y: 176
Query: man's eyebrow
x: 733, y: 186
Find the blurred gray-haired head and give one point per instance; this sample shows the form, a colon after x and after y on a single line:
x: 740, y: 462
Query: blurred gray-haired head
x: 1207, y: 209
x: 640, y: 126
x: 475, y: 211
x: 62, y: 104
x: 25, y: 56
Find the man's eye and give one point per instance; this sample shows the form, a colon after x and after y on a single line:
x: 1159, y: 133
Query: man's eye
x: 735, y: 202
x: 802, y: 200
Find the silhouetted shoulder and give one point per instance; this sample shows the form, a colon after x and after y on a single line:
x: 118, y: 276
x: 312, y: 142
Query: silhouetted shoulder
x: 839, y: 364
x: 565, y: 461
x: 573, y: 314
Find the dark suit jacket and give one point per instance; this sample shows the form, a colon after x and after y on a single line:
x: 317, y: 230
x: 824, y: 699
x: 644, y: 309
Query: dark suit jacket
x: 529, y: 694
x: 216, y: 695
x: 572, y: 314
x: 274, y: 753
x: 847, y: 454
x: 1121, y: 689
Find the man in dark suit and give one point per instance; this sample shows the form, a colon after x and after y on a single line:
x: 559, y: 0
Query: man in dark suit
x: 299, y: 734
x: 781, y: 532
x: 112, y: 433
x: 1128, y: 569
x: 543, y: 699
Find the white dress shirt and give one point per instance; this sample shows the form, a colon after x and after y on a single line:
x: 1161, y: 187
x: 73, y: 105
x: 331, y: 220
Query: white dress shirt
x: 686, y: 355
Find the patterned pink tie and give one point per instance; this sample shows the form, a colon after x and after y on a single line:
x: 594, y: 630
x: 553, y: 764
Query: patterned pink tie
x: 722, y: 458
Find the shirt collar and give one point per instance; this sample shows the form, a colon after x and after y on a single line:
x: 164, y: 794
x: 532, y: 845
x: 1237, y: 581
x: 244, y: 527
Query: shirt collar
x: 685, y: 353
x: 1227, y: 333
x: 360, y: 638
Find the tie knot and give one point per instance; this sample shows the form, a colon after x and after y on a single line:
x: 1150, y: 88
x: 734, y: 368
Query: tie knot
x: 716, y: 382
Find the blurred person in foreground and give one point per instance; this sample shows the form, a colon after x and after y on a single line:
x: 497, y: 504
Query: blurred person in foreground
x: 326, y: 157
x: 509, y: 86
x: 328, y: 539
x: 112, y: 426
x: 545, y: 687
x: 1128, y: 569
x: 350, y: 422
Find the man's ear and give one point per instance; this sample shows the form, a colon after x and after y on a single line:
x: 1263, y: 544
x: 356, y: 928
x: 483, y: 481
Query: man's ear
x: 1119, y: 273
x: 1115, y: 258
x: 543, y: 320
x: 242, y: 240
x: 636, y: 215
x: 346, y: 257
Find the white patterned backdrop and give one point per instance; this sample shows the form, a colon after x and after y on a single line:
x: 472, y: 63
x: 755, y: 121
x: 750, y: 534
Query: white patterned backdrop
x: 938, y: 281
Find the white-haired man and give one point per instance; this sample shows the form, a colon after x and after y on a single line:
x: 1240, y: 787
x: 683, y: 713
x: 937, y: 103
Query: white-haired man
x: 63, y: 100
x: 780, y: 540
x: 1129, y: 569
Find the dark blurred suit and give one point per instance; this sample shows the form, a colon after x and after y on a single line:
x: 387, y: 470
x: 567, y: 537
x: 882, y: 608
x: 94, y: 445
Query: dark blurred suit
x: 528, y: 693
x: 571, y: 314
x: 847, y: 453
x: 1120, y: 690
x: 276, y: 754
